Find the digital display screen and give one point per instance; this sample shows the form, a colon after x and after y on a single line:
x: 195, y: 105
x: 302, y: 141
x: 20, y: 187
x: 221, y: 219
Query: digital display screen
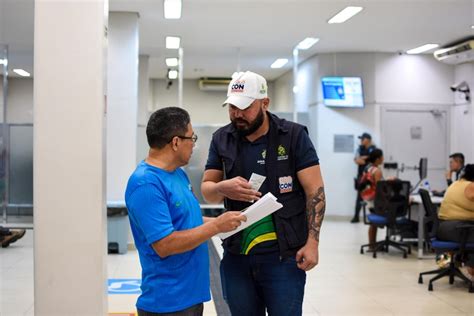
x: 343, y: 92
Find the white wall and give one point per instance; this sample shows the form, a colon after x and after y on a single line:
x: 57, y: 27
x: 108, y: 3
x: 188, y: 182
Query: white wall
x: 143, y: 90
x: 122, y: 101
x: 409, y: 79
x: 204, y: 107
x: 462, y: 115
x: 387, y: 79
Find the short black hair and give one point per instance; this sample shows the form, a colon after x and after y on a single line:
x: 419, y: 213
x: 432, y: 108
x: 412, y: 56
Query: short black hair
x: 374, y: 155
x: 165, y: 124
x: 468, y: 173
x: 459, y: 157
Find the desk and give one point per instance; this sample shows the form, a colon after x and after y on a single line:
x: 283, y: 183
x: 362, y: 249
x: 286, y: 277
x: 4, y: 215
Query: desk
x: 416, y: 200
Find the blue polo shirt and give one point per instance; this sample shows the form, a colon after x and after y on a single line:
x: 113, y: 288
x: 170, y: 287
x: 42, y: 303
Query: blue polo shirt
x: 161, y: 202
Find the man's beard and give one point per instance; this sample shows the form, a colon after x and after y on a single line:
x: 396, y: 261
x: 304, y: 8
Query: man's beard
x: 250, y: 127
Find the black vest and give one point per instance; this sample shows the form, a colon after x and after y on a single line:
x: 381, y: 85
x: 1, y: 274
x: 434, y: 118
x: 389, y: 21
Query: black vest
x: 290, y: 221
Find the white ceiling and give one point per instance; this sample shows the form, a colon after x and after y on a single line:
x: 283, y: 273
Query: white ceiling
x: 212, y: 31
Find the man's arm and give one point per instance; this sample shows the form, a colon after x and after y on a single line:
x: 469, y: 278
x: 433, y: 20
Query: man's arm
x: 449, y: 181
x: 214, y: 189
x: 185, y: 240
x: 360, y: 160
x: 312, y: 182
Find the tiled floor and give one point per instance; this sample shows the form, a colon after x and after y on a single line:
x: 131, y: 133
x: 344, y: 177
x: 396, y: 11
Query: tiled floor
x: 344, y: 283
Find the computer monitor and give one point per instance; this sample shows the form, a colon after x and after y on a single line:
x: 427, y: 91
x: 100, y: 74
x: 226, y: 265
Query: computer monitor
x: 422, y: 172
x: 423, y: 168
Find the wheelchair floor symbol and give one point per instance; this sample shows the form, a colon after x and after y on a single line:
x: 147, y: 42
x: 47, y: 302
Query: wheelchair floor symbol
x: 124, y: 286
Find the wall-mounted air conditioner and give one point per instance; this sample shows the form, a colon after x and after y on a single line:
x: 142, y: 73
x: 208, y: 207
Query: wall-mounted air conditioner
x: 456, y: 54
x: 214, y: 84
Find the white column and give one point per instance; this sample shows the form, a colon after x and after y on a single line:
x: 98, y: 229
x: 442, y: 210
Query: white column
x: 122, y: 102
x: 69, y: 158
x: 143, y: 90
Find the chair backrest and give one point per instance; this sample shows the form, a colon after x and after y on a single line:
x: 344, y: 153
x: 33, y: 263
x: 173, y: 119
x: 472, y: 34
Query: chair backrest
x: 431, y: 221
x: 392, y: 199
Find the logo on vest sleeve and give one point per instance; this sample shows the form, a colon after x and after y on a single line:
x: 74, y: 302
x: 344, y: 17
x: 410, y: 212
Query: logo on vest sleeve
x: 285, y: 184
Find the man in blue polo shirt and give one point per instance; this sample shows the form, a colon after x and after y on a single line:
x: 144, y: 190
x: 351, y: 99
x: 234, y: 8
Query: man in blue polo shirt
x: 166, y: 221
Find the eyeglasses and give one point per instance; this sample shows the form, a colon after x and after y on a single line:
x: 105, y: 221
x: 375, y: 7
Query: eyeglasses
x: 194, y: 138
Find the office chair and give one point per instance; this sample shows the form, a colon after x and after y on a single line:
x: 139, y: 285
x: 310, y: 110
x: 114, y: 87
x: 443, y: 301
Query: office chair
x: 390, y: 210
x: 431, y: 223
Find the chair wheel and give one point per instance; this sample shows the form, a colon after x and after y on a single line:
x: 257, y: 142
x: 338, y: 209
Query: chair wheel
x: 361, y: 251
x: 451, y: 279
x: 430, y: 287
x: 409, y: 250
x: 471, y: 288
x: 404, y: 255
x: 420, y: 280
x: 374, y: 255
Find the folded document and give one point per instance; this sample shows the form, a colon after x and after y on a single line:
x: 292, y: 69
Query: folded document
x: 255, y: 212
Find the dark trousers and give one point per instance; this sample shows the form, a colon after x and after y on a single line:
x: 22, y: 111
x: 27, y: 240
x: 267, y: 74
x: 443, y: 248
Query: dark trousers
x: 358, y: 205
x: 195, y: 310
x: 4, y: 232
x: 447, y: 231
x: 254, y: 283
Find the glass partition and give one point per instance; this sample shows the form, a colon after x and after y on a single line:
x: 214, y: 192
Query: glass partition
x: 4, y: 132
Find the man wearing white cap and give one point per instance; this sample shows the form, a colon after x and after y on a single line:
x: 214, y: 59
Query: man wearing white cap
x: 263, y: 268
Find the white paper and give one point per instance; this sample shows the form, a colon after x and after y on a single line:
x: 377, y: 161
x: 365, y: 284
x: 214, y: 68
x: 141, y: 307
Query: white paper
x: 255, y: 212
x: 256, y: 181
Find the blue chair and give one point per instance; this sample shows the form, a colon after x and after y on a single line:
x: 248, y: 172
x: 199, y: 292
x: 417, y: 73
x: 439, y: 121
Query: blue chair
x: 458, y: 249
x: 391, y: 206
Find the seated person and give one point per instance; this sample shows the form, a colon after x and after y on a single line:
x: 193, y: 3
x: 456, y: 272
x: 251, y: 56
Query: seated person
x: 8, y: 236
x: 456, y: 166
x: 370, y: 176
x: 458, y: 208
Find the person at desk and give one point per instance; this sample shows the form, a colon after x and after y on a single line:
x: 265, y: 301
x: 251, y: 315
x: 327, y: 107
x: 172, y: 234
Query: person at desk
x: 368, y: 182
x: 458, y: 208
x: 456, y: 166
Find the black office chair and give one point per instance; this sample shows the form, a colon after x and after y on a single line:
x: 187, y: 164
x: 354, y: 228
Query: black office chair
x: 391, y: 206
x: 431, y: 223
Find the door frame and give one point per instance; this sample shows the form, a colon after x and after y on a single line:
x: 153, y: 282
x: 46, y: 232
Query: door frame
x: 406, y: 107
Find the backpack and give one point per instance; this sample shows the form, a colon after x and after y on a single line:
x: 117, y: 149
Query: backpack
x: 367, y: 184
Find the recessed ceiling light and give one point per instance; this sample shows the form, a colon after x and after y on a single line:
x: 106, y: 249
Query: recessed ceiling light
x: 172, y: 9
x: 422, y: 49
x: 172, y: 74
x: 307, y: 43
x: 345, y: 15
x: 280, y: 62
x: 472, y: 26
x: 21, y: 72
x: 172, y: 42
x: 171, y: 62
x: 3, y: 61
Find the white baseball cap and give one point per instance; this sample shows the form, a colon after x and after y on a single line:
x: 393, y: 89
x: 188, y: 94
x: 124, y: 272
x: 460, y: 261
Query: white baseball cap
x: 245, y: 88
